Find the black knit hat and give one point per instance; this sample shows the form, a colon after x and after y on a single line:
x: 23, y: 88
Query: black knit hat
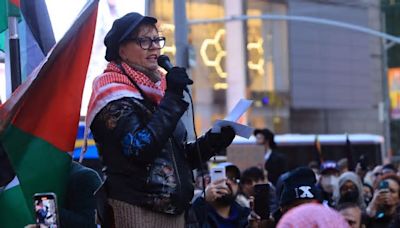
x: 268, y: 135
x: 300, y: 184
x: 120, y: 30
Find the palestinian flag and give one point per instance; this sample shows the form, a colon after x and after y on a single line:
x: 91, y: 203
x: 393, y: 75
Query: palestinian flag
x: 35, y: 32
x: 38, y: 124
x: 7, y: 8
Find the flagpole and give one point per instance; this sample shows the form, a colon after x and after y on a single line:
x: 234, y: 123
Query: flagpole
x: 15, y: 62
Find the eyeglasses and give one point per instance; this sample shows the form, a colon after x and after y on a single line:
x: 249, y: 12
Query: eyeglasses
x: 146, y: 42
x: 234, y: 180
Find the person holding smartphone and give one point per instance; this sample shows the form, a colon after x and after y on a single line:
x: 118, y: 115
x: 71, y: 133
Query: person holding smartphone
x: 79, y: 204
x: 252, y: 177
x: 218, y: 208
x: 384, y: 205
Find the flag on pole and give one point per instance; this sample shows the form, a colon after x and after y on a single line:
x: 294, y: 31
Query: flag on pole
x: 8, y: 8
x: 35, y: 32
x: 38, y: 123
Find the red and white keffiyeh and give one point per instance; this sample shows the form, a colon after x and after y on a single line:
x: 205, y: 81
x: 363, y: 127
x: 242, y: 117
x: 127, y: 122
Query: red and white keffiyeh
x: 113, y: 84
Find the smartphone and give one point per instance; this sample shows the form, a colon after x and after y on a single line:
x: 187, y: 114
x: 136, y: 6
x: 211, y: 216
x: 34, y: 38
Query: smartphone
x: 46, y: 213
x: 384, y: 184
x: 261, y: 200
x: 217, y: 173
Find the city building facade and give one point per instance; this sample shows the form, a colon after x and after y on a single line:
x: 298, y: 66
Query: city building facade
x: 304, y: 77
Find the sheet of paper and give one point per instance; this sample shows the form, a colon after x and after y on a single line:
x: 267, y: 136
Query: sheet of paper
x: 240, y: 129
x: 239, y: 109
x: 230, y: 120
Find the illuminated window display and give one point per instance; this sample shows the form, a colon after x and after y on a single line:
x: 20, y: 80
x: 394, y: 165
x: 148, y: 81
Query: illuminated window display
x: 268, y: 74
x: 207, y: 61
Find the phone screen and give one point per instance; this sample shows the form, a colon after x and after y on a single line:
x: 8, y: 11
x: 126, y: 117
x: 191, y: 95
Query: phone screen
x: 217, y: 173
x: 261, y: 200
x: 46, y: 210
x: 384, y: 184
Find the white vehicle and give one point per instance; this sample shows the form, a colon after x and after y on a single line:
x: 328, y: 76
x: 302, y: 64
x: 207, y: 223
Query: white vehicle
x: 300, y: 149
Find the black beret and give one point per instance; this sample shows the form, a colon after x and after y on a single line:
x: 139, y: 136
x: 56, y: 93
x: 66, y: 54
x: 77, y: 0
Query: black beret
x: 120, y: 30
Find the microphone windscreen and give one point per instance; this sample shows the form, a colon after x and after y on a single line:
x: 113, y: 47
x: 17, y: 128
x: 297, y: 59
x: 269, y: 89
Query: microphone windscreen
x: 163, y: 61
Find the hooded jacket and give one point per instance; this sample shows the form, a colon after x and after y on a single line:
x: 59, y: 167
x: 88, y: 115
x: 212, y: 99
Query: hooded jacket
x: 349, y: 176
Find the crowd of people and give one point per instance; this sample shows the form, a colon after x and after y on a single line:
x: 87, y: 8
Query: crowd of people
x: 331, y: 194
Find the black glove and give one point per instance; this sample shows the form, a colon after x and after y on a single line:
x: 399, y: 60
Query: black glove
x: 177, y: 80
x: 223, y: 139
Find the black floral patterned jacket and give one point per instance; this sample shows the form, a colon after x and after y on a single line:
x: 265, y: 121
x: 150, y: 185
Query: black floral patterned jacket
x: 146, y: 154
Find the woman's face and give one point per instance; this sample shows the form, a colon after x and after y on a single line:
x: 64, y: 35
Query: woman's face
x: 132, y: 53
x: 367, y: 194
x: 349, y: 192
x: 348, y: 186
x: 328, y: 182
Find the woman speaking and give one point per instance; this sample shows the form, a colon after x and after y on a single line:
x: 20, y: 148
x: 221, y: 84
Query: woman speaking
x: 134, y: 114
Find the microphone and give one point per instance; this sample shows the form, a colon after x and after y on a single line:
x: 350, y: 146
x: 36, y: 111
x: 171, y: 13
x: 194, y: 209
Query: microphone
x: 163, y: 61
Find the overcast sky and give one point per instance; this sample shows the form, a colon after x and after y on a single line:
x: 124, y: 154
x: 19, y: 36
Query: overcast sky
x: 63, y: 12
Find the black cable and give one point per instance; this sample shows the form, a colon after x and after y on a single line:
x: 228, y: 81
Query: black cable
x: 197, y: 144
x: 198, y: 154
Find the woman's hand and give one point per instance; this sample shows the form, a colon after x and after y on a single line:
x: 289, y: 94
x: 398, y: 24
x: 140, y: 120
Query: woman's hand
x: 381, y: 197
x: 177, y: 80
x: 222, y: 139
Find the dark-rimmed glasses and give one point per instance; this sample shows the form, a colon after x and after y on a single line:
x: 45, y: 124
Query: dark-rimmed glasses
x: 234, y: 179
x: 146, y: 42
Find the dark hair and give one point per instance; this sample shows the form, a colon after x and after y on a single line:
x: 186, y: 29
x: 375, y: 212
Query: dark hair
x: 233, y: 170
x: 313, y: 165
x: 390, y: 166
x: 252, y: 174
x: 268, y: 135
x: 369, y: 187
x: 363, y: 161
